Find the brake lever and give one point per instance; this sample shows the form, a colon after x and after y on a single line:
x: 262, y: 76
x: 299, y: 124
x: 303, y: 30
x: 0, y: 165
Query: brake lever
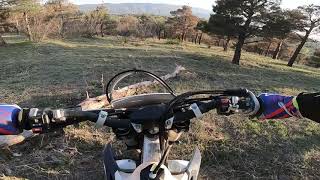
x: 224, y: 107
x: 247, y: 104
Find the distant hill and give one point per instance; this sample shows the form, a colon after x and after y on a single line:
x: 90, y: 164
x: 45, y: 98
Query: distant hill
x: 144, y: 8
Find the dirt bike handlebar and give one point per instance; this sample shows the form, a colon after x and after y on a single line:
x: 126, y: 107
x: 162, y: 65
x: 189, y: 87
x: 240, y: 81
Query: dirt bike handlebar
x: 46, y: 120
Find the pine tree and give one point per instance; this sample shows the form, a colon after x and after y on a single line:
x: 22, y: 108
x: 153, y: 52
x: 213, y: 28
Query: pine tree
x: 248, y: 17
x: 5, y: 8
x: 311, y: 21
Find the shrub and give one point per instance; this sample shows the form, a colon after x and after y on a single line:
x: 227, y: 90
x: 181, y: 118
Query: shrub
x: 173, y: 42
x: 317, y: 52
x: 314, y: 61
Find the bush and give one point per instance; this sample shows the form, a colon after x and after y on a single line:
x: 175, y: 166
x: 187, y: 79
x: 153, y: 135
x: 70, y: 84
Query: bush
x: 317, y: 52
x: 314, y: 61
x: 128, y: 26
x: 173, y: 42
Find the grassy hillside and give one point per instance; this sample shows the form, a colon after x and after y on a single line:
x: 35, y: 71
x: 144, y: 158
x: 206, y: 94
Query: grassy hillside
x: 57, y: 74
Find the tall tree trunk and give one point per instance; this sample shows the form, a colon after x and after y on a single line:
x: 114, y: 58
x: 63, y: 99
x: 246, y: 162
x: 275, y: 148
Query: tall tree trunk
x: 196, y: 38
x: 159, y: 34
x: 237, y: 53
x: 184, y: 37
x: 226, y: 44
x: 101, y: 30
x: 268, y: 49
x: 200, y: 38
x: 219, y: 42
x: 61, y: 26
x: 17, y: 25
x: 241, y: 40
x: 278, y: 49
x: 26, y: 19
x: 297, y: 52
x: 2, y: 42
x: 97, y: 29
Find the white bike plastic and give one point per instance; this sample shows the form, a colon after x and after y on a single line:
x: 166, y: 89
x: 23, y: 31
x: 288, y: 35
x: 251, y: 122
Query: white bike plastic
x: 151, y: 154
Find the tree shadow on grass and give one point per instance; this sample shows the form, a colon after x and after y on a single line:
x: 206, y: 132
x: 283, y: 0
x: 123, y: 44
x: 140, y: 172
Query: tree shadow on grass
x: 56, y: 156
x: 53, y: 101
x: 216, y: 68
x: 72, y: 153
x: 269, y: 155
x: 248, y: 158
x: 68, y: 65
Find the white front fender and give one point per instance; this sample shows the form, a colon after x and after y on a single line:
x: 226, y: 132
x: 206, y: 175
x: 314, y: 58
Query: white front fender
x: 176, y: 170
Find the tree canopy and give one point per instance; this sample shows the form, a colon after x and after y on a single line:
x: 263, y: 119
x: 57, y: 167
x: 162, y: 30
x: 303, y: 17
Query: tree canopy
x: 5, y: 7
x: 246, y: 17
x: 310, y: 22
x: 183, y: 21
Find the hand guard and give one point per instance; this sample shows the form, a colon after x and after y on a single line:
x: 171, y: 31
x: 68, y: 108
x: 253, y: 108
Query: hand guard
x: 9, y: 119
x: 274, y: 106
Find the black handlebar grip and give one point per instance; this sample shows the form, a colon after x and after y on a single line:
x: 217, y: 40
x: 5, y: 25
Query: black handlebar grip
x: 237, y: 92
x: 183, y: 116
x: 78, y: 116
x: 117, y: 123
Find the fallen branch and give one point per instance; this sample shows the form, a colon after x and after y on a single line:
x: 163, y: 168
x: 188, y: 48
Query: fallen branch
x: 10, y: 140
x: 101, y: 101
x: 89, y: 104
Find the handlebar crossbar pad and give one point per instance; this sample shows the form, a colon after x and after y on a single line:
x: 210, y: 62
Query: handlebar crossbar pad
x: 237, y: 92
x: 187, y: 115
x: 76, y: 116
x: 117, y: 123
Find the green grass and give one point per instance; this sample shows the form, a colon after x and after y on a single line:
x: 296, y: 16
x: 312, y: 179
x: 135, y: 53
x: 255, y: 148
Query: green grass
x: 57, y: 73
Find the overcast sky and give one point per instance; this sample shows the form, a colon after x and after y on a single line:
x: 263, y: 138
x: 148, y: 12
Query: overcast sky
x: 206, y: 4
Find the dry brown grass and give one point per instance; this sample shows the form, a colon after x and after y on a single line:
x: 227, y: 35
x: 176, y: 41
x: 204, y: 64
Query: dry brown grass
x: 53, y: 74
